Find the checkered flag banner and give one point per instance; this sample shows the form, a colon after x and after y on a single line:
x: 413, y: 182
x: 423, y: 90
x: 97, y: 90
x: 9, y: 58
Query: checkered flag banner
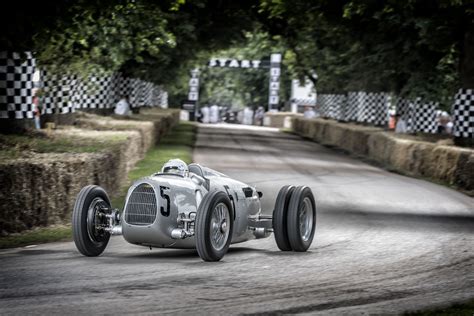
x: 406, y: 109
x: 103, y: 92
x: 419, y: 115
x: 332, y: 105
x: 16, y: 84
x: 64, y: 93
x: 425, y: 116
x: 377, y: 105
x: 163, y: 98
x: 363, y: 107
x: 136, y: 94
x: 106, y: 91
x: 58, y: 93
x: 156, y: 96
x: 463, y: 113
x: 355, y: 103
x: 97, y: 92
x: 302, y: 102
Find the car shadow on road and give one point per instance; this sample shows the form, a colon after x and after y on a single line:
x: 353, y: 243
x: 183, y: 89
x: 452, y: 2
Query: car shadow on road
x: 457, y: 223
x: 183, y: 255
x: 38, y: 252
x: 156, y: 253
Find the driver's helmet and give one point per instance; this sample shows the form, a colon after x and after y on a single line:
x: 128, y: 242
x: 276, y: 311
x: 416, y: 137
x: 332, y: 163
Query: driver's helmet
x: 176, y: 166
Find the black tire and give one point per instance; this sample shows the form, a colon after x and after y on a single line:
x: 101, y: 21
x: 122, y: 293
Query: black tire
x: 299, y: 235
x: 89, y: 241
x: 204, y: 219
x: 280, y: 218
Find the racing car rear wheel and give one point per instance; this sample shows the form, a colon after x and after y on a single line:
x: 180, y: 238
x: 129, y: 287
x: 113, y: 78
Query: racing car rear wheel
x: 301, y: 218
x: 280, y: 215
x: 89, y: 221
x: 214, y: 226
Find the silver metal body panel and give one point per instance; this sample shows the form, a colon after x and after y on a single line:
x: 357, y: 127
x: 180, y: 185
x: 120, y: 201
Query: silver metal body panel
x: 185, y: 195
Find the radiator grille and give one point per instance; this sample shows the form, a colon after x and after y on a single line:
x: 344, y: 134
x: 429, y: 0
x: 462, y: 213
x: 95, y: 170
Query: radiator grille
x: 141, y: 207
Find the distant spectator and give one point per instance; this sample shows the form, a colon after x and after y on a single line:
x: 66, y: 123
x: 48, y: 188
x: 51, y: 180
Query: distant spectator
x: 259, y: 114
x: 37, y: 108
x: 123, y: 107
x: 401, y: 126
x: 445, y: 125
x: 449, y: 127
x: 205, y: 114
x: 248, y: 116
x: 392, y: 120
x: 214, y: 114
x: 309, y: 112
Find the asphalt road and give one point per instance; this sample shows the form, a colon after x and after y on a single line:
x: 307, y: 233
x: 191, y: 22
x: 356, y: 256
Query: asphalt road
x: 384, y: 244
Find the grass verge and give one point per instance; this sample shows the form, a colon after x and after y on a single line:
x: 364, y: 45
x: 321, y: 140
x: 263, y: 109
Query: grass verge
x: 177, y: 144
x: 36, y: 236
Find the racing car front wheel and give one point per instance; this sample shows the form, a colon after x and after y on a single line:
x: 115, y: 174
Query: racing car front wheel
x: 214, y: 226
x: 89, y: 221
x: 301, y: 218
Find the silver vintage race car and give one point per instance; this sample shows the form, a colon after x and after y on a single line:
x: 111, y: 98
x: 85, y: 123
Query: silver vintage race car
x: 191, y: 206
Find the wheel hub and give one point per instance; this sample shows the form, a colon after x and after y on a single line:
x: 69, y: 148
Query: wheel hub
x: 96, y: 220
x: 219, y: 226
x: 306, y: 219
x: 223, y: 227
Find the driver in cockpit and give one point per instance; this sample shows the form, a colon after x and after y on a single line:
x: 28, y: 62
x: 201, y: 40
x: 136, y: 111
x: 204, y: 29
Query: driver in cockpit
x: 176, y: 166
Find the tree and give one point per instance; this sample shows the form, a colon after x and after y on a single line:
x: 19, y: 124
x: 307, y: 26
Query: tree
x: 415, y: 47
x: 143, y: 38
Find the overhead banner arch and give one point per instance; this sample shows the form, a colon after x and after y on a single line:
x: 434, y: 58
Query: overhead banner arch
x: 274, y: 66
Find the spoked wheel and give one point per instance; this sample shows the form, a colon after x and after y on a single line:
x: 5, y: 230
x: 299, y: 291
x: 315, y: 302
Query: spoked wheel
x: 89, y: 221
x: 214, y: 226
x: 280, y: 217
x: 301, y: 219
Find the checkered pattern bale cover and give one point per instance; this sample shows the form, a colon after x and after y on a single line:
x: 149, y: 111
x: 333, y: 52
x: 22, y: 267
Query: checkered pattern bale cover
x: 463, y: 113
x: 16, y: 83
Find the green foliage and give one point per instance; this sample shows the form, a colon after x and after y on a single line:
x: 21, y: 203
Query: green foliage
x: 97, y: 39
x: 36, y: 236
x: 412, y: 48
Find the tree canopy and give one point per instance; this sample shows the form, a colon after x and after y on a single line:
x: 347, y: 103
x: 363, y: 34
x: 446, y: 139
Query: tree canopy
x: 412, y: 48
x: 415, y: 47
